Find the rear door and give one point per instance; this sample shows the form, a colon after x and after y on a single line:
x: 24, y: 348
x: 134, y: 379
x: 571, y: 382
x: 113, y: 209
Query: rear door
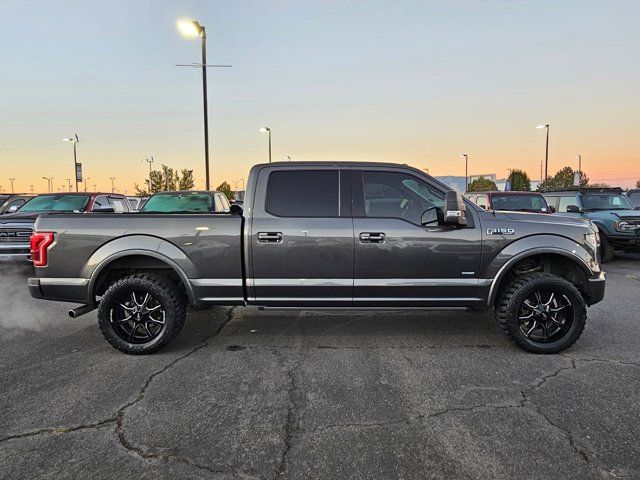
x: 398, y: 262
x: 301, y: 238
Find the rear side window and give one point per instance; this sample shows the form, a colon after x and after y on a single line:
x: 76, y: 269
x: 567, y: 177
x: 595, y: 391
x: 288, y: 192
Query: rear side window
x: 119, y: 205
x: 304, y: 193
x: 565, y: 202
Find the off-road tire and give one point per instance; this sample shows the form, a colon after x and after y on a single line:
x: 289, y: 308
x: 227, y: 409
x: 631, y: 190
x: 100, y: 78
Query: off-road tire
x: 606, y: 249
x: 167, y: 294
x: 517, y: 290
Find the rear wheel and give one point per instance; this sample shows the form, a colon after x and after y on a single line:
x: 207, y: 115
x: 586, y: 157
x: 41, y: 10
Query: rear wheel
x: 541, y: 313
x: 141, y: 313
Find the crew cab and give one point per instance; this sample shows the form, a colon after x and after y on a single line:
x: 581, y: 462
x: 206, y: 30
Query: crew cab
x: 324, y: 235
x: 611, y: 211
x: 16, y: 228
x: 510, y: 201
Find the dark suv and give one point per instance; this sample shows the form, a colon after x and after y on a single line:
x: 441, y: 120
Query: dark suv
x: 609, y: 209
x: 510, y: 201
x: 16, y: 228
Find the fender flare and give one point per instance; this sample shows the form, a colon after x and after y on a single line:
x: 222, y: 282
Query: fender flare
x: 156, y: 248
x: 493, y: 290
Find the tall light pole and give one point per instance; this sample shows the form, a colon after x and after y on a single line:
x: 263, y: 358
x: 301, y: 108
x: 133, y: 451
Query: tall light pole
x: 267, y: 130
x: 86, y: 183
x: 579, y: 157
x: 74, y: 140
x: 68, y: 183
x: 113, y: 188
x: 49, y: 183
x: 546, y: 155
x: 12, y: 180
x: 193, y: 29
x: 149, y: 161
x: 31, y: 187
x: 466, y: 171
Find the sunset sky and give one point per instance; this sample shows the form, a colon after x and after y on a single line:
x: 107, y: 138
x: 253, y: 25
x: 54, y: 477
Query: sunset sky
x: 412, y: 82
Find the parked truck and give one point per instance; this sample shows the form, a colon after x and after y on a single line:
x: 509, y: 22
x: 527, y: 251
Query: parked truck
x: 319, y: 235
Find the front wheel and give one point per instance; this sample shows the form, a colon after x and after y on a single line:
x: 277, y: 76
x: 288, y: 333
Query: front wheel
x: 606, y: 248
x: 541, y: 313
x: 141, y: 313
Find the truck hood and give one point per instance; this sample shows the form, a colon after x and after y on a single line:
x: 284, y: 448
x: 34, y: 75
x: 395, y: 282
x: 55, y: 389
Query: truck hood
x: 613, y: 215
x: 19, y: 217
x: 547, y: 219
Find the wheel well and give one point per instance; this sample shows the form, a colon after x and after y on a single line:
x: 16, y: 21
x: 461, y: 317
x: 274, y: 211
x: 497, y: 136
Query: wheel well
x: 132, y: 264
x: 552, y: 263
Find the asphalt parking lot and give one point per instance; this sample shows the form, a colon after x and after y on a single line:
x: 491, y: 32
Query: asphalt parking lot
x: 244, y: 393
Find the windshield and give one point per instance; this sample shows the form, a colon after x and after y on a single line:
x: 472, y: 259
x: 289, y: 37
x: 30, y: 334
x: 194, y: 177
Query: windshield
x: 55, y: 203
x: 519, y: 203
x: 192, y: 202
x: 605, y: 201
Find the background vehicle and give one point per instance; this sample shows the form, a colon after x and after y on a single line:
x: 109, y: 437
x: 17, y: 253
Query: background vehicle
x: 12, y: 203
x: 16, y: 228
x: 136, y: 203
x: 634, y: 197
x: 510, y: 201
x: 610, y: 210
x: 324, y: 235
x: 187, y: 201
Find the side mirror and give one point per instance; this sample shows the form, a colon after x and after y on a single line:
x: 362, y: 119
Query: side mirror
x: 103, y: 210
x: 455, y: 211
x: 573, y: 209
x: 484, y: 207
x: 552, y: 209
x: 235, y: 209
x: 432, y: 217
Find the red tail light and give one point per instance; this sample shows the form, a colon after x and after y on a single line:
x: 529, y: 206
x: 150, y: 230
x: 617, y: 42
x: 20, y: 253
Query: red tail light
x: 40, y: 242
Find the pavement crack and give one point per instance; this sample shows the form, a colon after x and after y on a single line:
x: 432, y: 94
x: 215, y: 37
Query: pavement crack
x: 59, y: 430
x: 529, y: 404
x: 292, y: 422
x: 121, y: 413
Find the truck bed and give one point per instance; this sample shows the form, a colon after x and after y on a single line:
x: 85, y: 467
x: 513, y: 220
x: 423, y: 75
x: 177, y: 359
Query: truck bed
x: 206, y: 249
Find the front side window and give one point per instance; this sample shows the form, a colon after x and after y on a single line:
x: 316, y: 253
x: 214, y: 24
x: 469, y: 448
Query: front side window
x: 565, y: 202
x: 482, y: 201
x: 303, y: 193
x: 56, y: 203
x: 101, y: 202
x: 398, y: 195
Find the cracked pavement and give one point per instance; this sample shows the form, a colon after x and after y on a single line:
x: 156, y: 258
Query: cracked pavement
x: 244, y: 393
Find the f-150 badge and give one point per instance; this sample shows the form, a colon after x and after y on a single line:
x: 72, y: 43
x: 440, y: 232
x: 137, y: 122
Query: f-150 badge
x: 500, y: 231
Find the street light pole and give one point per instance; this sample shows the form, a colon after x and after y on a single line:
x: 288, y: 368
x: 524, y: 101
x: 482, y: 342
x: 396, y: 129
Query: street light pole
x: 68, y: 183
x: 12, y: 180
x: 113, y: 188
x: 149, y: 161
x: 49, y: 183
x: 75, y: 156
x: 466, y: 171
x: 546, y: 155
x: 579, y: 157
x: 267, y: 130
x: 192, y: 28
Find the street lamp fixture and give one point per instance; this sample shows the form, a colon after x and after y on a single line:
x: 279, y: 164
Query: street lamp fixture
x: 546, y: 154
x: 466, y: 171
x: 267, y: 130
x: 190, y: 28
x: 74, y: 140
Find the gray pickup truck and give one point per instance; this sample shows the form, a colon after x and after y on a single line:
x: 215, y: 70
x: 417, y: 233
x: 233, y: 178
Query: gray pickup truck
x: 324, y: 235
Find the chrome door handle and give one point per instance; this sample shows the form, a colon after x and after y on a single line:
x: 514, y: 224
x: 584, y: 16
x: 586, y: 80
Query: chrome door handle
x: 269, y: 237
x: 369, y: 237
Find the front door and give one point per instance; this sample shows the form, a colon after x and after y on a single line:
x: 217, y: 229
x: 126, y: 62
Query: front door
x: 398, y: 262
x: 302, y: 238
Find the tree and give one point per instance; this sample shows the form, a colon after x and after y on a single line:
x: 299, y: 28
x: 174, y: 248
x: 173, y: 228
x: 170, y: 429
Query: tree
x: 225, y: 188
x: 481, y: 185
x: 563, y: 179
x: 519, y: 181
x: 165, y: 180
x: 185, y: 182
x: 599, y: 185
